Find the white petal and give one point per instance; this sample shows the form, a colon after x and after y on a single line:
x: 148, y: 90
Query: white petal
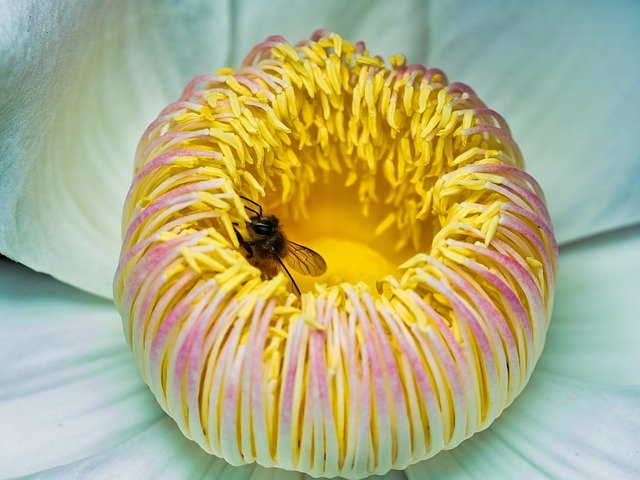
x: 565, y: 75
x: 69, y: 387
x: 159, y: 451
x: 80, y: 83
x: 558, y: 428
x: 595, y: 332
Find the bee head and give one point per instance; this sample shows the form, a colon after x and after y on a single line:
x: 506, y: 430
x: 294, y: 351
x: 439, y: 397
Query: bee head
x: 263, y: 225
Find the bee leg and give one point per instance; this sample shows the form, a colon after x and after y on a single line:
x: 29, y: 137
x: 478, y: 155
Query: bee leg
x: 296, y: 290
x: 245, y: 245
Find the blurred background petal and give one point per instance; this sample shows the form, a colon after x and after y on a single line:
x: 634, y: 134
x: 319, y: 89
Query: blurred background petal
x: 557, y: 428
x: 565, y: 75
x: 69, y: 386
x: 80, y: 83
x: 595, y: 327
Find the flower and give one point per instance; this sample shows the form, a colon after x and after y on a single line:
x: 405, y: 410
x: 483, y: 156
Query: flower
x: 80, y: 355
x: 351, y: 378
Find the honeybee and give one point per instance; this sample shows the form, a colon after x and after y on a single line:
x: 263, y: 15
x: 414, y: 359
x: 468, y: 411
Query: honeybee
x: 269, y: 250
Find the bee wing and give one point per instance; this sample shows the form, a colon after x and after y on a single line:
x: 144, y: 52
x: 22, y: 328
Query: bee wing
x: 304, y: 260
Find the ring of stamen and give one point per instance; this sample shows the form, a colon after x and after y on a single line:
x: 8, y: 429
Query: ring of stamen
x: 352, y: 378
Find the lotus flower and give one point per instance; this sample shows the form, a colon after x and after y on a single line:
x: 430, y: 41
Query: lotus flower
x: 417, y: 348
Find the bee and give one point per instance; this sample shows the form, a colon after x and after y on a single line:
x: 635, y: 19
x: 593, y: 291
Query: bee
x: 269, y: 250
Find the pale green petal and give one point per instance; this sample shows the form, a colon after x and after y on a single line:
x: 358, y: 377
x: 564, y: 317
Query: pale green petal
x: 565, y: 75
x: 558, y: 428
x: 595, y: 327
x: 81, y: 80
x: 160, y: 451
x: 69, y: 387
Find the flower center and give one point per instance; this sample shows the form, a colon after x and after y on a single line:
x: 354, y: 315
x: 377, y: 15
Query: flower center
x: 441, y: 261
x: 353, y: 149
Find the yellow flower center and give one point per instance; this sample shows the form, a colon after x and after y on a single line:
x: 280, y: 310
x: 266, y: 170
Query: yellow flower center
x: 440, y: 261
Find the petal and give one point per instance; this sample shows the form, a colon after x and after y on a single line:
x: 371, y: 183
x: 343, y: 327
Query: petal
x: 595, y: 333
x: 69, y: 386
x: 364, y: 20
x: 81, y: 81
x: 565, y: 75
x: 72, y: 404
x: 159, y: 451
x: 558, y: 428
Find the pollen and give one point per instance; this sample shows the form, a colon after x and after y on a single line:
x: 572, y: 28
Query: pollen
x: 441, y: 261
